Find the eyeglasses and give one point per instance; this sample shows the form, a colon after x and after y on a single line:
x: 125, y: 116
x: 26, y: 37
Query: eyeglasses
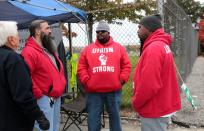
x: 102, y: 31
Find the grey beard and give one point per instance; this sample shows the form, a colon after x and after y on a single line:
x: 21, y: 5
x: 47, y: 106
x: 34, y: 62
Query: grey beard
x: 48, y: 43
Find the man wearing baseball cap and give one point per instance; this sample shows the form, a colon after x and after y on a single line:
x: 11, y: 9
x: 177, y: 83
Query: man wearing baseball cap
x: 156, y: 91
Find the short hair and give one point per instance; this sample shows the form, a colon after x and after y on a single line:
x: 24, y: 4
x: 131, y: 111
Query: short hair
x: 35, y: 25
x: 7, y: 28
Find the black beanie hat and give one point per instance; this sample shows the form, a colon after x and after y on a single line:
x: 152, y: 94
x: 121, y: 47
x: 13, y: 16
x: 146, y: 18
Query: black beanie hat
x: 151, y: 23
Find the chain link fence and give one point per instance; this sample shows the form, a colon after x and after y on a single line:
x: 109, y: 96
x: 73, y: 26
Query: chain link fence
x: 176, y: 22
x: 185, y: 40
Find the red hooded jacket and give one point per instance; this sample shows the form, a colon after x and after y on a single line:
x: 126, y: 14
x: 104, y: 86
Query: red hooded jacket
x: 156, y: 90
x: 101, y: 68
x: 46, y: 78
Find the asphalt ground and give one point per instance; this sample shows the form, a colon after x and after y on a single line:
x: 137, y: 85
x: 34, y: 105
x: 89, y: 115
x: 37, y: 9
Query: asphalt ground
x: 195, y: 82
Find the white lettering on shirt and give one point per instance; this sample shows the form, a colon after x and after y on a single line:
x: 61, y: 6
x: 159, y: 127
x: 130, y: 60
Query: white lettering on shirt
x: 102, y: 50
x: 167, y: 49
x: 103, y: 69
x: 103, y: 58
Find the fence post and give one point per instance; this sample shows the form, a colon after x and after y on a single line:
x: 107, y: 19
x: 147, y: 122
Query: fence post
x: 160, y: 4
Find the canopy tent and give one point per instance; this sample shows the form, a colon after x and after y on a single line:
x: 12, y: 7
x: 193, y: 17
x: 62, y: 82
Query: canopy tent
x: 24, y: 11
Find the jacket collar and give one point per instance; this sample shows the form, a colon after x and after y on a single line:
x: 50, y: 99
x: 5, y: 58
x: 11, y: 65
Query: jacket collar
x: 32, y: 42
x: 6, y: 47
x: 158, y: 35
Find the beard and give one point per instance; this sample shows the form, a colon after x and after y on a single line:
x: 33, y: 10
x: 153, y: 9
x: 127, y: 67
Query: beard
x: 48, y: 43
x: 103, y: 40
x: 142, y: 41
x: 141, y: 45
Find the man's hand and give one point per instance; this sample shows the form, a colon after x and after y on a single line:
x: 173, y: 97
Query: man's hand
x: 43, y: 122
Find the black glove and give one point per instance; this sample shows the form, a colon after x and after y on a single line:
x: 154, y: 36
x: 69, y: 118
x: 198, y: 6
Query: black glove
x: 43, y: 122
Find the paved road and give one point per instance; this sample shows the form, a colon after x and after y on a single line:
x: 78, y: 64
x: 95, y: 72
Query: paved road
x: 195, y: 82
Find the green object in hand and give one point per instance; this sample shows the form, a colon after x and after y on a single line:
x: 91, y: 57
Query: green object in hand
x: 188, y: 95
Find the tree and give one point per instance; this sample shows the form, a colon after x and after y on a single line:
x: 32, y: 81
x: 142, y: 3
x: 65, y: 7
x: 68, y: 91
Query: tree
x: 112, y: 10
x: 192, y: 8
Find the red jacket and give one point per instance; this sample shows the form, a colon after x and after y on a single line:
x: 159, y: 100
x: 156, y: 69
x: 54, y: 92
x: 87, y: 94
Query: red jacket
x: 45, y: 76
x: 101, y: 68
x: 156, y: 90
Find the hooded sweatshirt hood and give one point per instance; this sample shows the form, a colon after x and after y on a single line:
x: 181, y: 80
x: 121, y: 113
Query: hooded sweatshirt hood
x: 158, y: 35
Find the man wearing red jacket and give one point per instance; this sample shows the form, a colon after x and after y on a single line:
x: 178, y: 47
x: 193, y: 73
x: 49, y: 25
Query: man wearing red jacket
x: 103, y: 68
x: 46, y: 70
x: 156, y: 90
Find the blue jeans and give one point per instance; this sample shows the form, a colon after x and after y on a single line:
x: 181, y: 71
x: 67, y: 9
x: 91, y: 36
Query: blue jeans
x: 51, y: 113
x: 95, y: 106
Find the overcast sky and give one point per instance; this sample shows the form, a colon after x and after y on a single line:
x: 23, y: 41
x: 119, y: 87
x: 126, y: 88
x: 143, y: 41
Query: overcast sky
x: 201, y: 1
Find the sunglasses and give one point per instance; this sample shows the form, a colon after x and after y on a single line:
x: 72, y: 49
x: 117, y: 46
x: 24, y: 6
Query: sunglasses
x: 102, y: 31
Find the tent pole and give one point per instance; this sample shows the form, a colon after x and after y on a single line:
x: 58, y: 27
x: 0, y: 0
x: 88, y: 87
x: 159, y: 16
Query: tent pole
x: 87, y: 32
x: 70, y: 39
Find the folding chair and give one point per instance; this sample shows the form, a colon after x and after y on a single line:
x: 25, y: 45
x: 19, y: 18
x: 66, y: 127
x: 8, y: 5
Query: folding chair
x: 75, y: 110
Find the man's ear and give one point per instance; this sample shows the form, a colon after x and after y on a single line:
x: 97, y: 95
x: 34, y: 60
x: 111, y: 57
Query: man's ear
x: 11, y: 40
x: 37, y: 32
